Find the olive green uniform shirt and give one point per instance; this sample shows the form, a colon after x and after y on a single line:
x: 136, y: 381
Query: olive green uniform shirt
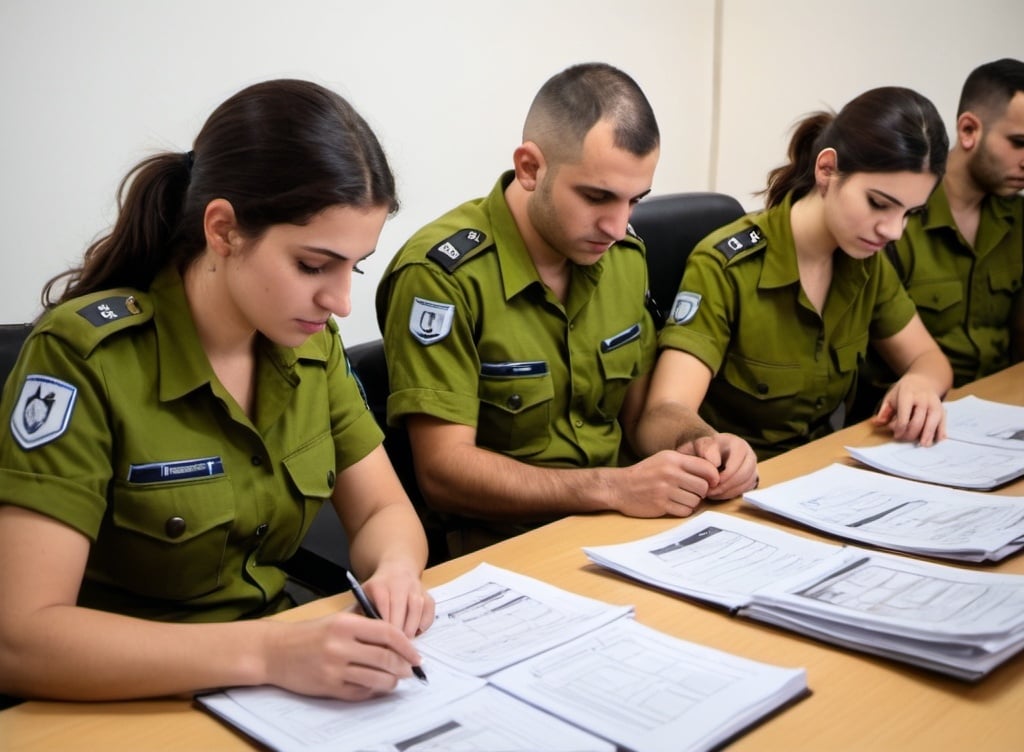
x: 963, y: 294
x: 779, y: 368
x: 474, y: 337
x: 119, y: 428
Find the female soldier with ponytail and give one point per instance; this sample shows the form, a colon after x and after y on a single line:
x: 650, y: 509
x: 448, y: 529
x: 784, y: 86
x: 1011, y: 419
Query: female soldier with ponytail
x: 182, y: 409
x: 776, y: 310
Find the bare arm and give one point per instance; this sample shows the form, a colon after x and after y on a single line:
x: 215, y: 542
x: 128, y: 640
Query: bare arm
x: 52, y: 648
x: 912, y: 408
x: 457, y: 476
x: 670, y: 421
x: 386, y: 541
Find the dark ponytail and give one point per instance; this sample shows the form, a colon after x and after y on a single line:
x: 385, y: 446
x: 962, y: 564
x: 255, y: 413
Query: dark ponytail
x: 279, y: 151
x: 889, y: 129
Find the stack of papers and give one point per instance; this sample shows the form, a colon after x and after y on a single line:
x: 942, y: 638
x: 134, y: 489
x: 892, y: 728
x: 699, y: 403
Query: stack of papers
x: 953, y: 621
x: 516, y: 664
x: 984, y: 448
x: 898, y: 514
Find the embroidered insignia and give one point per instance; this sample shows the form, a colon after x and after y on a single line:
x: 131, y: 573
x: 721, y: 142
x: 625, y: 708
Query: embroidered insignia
x: 684, y: 307
x: 449, y: 252
x: 43, y: 410
x: 741, y: 241
x: 430, y: 322
x: 110, y: 309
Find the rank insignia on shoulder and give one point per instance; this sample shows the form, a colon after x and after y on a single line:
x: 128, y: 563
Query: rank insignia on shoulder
x: 451, y: 251
x: 110, y: 309
x: 43, y: 410
x: 746, y: 238
x: 430, y: 321
x: 684, y: 307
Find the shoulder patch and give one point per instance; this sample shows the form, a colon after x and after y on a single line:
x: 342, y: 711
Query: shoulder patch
x: 113, y: 308
x: 684, y: 307
x: 43, y: 410
x: 746, y: 238
x: 430, y: 321
x: 451, y: 251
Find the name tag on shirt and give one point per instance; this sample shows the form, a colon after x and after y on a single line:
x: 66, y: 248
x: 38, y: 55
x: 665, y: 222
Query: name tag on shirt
x: 166, y: 472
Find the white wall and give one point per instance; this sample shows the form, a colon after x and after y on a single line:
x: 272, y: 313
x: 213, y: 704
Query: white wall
x: 784, y: 59
x: 90, y: 87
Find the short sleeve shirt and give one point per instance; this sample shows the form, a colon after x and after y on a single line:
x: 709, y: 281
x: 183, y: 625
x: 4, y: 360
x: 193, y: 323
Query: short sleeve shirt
x: 964, y: 294
x: 118, y: 427
x: 473, y: 336
x: 780, y: 369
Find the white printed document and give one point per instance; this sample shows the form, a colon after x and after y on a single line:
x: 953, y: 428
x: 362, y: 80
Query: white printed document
x: 950, y: 620
x: 984, y: 448
x: 563, y: 673
x: 899, y: 514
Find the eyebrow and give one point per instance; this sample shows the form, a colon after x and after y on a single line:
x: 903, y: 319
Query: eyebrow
x: 607, y: 193
x: 886, y: 196
x: 334, y: 254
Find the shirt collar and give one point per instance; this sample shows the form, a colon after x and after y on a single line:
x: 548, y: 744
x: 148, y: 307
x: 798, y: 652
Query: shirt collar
x: 518, y: 271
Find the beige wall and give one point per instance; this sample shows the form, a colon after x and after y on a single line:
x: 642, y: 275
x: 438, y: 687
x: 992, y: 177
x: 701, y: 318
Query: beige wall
x: 91, y: 87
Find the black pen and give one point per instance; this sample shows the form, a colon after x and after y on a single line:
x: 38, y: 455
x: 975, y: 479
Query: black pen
x: 369, y: 610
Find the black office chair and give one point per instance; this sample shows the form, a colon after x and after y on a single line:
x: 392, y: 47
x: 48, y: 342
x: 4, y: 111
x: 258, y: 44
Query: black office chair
x: 320, y: 562
x: 12, y: 337
x: 371, y: 367
x: 671, y: 225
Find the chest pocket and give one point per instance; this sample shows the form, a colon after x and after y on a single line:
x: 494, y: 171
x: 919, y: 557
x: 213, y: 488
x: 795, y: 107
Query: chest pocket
x: 515, y: 407
x: 848, y: 357
x: 763, y: 381
x: 312, y: 471
x: 619, y: 357
x: 166, y: 540
x: 940, y: 305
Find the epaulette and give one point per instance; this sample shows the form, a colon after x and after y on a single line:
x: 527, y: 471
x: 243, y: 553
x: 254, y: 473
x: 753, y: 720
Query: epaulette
x: 455, y: 249
x: 87, y: 321
x: 744, y: 240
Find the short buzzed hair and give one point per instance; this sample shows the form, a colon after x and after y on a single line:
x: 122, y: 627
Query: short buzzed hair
x: 990, y: 87
x: 570, y: 103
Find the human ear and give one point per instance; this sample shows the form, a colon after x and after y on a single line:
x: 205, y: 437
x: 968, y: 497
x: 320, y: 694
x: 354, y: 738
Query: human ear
x: 221, y: 227
x: 826, y: 166
x: 968, y: 130
x: 528, y: 161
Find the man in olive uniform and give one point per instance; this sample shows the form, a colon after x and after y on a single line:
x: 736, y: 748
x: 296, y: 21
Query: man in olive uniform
x: 962, y: 258
x: 516, y: 332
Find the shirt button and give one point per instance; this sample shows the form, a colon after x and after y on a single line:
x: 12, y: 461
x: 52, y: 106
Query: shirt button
x: 262, y: 529
x: 174, y: 527
x: 515, y: 401
x: 578, y: 423
x: 256, y: 460
x: 819, y: 402
x: 762, y: 389
x: 330, y: 479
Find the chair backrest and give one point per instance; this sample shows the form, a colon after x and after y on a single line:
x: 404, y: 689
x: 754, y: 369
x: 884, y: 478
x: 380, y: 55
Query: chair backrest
x: 12, y: 337
x: 371, y: 367
x: 671, y: 225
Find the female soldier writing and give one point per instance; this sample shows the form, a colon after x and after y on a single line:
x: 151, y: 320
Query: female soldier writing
x: 182, y: 409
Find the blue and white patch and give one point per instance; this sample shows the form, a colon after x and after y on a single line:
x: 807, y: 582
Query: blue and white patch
x: 684, y: 307
x: 429, y: 321
x: 43, y: 410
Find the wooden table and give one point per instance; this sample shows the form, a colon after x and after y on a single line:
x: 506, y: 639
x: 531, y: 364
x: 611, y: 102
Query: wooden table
x: 859, y: 702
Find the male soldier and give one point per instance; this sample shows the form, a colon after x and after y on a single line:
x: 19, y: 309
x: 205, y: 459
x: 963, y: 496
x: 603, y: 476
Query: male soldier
x: 518, y: 342
x: 962, y: 258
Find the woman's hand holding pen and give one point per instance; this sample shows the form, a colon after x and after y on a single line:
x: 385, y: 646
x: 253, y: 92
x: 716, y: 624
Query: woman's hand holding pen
x: 344, y: 655
x: 400, y: 598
